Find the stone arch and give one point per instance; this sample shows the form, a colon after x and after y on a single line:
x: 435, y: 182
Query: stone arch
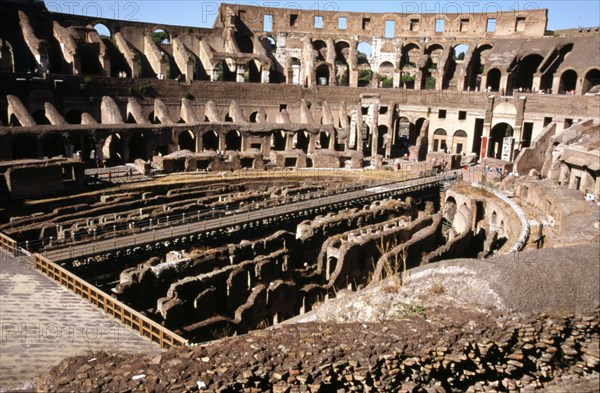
x: 152, y: 118
x: 382, y: 131
x: 85, y: 144
x: 320, y: 50
x: 112, y: 150
x: 433, y: 54
x: 7, y: 56
x: 459, y: 142
x: 522, y: 73
x: 253, y: 117
x: 278, y: 140
x: 40, y: 117
x: 342, y: 69
x: 73, y: 116
x: 456, y: 58
x: 103, y: 30
x: 322, y: 74
x: 24, y: 146
x: 161, y: 37
x: 233, y: 140
x: 591, y: 80
x: 302, y: 140
x: 493, y: 79
x: 364, y: 52
x: 252, y: 73
x: 497, y: 135
x: 476, y: 65
x: 386, y: 69
x: 363, y: 60
x: 440, y: 140
x: 405, y: 134
x: 210, y: 141
x: 53, y: 145
x: 187, y: 141
x: 137, y: 146
x: 224, y: 73
x: 568, y: 81
x: 324, y: 139
x: 294, y: 71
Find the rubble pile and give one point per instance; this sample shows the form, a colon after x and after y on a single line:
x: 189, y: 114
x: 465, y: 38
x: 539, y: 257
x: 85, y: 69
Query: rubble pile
x: 442, y: 349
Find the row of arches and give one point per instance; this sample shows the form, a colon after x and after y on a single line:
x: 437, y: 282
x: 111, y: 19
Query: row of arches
x: 529, y: 74
x: 442, y: 143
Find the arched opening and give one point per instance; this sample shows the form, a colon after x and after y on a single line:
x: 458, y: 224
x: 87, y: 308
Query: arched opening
x: 103, y: 31
x: 476, y: 66
x: 522, y: 74
x: 405, y: 135
x: 302, y: 140
x: 366, y: 140
x: 233, y: 140
x: 40, y: 117
x: 434, y: 53
x: 85, y: 145
x: 278, y: 140
x: 253, y: 117
x: 137, y: 146
x: 386, y: 75
x: 363, y: 59
x: 294, y: 71
x: 381, y: 139
x: 245, y: 43
x: 440, y: 140
x: 324, y: 140
x: 459, y: 142
x: 13, y: 121
x: 161, y: 37
x: 568, y: 82
x: 73, y: 116
x: 228, y: 118
x: 493, y: 79
x: 591, y: 82
x: 411, y: 53
x: 224, y: 73
x: 450, y: 79
x: 342, y: 54
x: 187, y: 141
x: 152, y: 118
x: 24, y: 146
x: 210, y: 141
x: 322, y: 74
x: 319, y: 50
x: 269, y: 44
x: 53, y: 146
x: 112, y: 150
x: 252, y: 73
x: 497, y: 135
x: 7, y: 56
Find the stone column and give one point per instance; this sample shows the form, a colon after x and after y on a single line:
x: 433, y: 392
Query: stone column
x: 221, y: 141
x: 198, y: 137
x: 375, y: 129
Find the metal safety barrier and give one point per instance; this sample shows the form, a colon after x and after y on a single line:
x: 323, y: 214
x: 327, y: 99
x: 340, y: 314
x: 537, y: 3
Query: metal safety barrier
x: 113, y: 307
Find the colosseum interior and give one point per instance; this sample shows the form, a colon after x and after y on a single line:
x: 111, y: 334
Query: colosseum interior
x: 216, y: 181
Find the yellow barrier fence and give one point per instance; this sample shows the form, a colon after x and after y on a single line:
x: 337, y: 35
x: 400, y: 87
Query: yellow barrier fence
x: 128, y: 316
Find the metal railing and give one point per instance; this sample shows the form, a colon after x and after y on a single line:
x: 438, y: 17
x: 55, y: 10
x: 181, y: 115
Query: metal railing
x: 111, y: 306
